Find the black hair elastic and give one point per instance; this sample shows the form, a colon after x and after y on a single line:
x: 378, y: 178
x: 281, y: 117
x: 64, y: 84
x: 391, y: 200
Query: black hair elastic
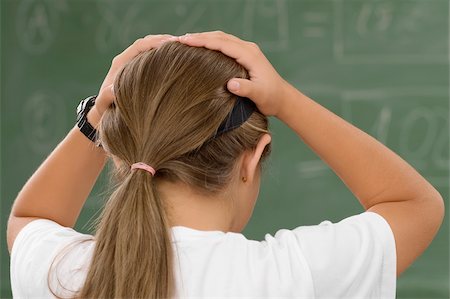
x: 242, y: 110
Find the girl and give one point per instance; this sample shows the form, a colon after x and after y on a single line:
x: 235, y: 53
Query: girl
x: 187, y: 145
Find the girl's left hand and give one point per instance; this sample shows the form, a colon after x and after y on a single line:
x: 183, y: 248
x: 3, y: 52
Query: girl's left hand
x: 106, y: 93
x: 265, y: 87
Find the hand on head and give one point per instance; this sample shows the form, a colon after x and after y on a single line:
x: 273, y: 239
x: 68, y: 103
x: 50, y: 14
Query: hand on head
x: 106, y: 93
x: 265, y: 86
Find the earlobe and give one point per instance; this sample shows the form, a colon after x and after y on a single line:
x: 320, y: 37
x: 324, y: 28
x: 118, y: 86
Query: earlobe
x: 251, y: 160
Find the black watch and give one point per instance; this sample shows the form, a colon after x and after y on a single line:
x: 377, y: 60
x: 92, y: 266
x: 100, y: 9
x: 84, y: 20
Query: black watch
x: 82, y: 122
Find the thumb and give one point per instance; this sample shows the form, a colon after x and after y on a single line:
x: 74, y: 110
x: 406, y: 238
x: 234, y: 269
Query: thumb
x: 105, y: 98
x: 241, y: 87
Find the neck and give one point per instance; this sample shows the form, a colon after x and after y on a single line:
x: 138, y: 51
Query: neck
x: 188, y: 208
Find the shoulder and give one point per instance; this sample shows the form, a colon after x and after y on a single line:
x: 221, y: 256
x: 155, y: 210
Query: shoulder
x: 39, y: 246
x: 354, y: 231
x: 353, y: 258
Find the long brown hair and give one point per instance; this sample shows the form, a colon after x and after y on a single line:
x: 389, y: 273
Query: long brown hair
x: 169, y: 103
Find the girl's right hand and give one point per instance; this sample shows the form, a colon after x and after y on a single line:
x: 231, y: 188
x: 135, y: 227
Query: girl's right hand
x: 265, y: 87
x: 106, y: 94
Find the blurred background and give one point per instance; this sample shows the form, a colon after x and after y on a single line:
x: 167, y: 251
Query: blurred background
x: 382, y: 65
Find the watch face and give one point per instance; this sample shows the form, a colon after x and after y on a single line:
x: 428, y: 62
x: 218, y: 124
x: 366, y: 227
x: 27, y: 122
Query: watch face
x: 84, y: 107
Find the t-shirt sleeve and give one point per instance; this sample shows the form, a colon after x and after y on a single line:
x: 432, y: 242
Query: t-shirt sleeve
x: 35, y: 249
x: 354, y: 258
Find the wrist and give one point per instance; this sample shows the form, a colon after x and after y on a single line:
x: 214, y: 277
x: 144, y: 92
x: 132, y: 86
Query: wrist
x: 287, y: 101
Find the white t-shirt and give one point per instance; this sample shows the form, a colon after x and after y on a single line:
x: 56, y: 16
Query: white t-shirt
x: 354, y: 258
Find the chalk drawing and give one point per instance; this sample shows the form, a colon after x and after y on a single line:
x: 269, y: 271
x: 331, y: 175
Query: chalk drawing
x: 315, y: 24
x: 374, y: 18
x: 256, y: 12
x: 416, y: 12
x: 440, y: 150
x: 121, y: 26
x: 415, y: 115
x: 315, y: 17
x: 37, y: 23
x: 420, y: 117
x: 381, y: 126
x: 388, y: 32
x: 313, y: 32
x: 44, y: 121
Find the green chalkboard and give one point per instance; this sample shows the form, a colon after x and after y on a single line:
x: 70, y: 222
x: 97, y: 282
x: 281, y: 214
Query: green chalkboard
x: 382, y: 65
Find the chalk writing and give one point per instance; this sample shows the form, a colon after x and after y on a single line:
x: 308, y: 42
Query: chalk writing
x: 274, y: 13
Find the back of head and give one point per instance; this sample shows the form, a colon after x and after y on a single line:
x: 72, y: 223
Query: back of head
x: 170, y: 102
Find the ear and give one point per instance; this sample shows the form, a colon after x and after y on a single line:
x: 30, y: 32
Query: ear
x: 250, y: 161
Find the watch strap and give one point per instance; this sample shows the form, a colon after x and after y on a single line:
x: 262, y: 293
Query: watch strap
x: 87, y: 129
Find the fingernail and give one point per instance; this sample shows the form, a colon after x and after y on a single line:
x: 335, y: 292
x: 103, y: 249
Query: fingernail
x: 169, y: 39
x: 233, y: 85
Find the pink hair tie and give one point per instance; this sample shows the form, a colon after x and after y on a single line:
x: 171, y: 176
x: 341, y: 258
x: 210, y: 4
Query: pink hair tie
x: 142, y: 165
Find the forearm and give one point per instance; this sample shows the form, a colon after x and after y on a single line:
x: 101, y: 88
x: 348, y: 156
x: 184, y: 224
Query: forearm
x: 371, y: 171
x: 61, y: 185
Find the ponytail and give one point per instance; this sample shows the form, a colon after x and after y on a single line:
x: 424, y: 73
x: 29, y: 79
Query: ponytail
x: 133, y: 254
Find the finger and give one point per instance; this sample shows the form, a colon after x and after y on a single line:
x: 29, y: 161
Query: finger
x: 144, y: 44
x: 158, y: 35
x: 213, y: 41
x: 225, y: 43
x: 105, y: 99
x: 214, y: 34
x: 242, y: 87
